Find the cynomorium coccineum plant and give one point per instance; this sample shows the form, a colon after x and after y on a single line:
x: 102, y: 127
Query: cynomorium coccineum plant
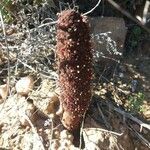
x: 74, y: 56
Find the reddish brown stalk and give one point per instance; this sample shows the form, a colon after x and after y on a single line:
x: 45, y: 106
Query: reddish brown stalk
x: 74, y: 56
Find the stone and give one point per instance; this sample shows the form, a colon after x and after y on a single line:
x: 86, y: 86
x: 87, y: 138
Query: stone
x: 108, y: 37
x: 24, y: 85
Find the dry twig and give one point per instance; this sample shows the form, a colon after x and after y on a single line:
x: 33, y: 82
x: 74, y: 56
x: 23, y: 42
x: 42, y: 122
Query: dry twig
x: 129, y: 116
x: 145, y: 11
x: 104, y: 130
x: 34, y: 130
x: 81, y: 131
x: 103, y: 117
x: 145, y: 141
x: 8, y: 57
x: 90, y: 11
x: 127, y: 14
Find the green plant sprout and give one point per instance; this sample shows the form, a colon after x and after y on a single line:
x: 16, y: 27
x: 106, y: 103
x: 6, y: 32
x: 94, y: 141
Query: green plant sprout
x: 135, y: 103
x: 4, y: 8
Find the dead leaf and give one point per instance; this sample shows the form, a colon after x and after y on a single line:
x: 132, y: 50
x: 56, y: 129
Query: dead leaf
x: 3, y: 92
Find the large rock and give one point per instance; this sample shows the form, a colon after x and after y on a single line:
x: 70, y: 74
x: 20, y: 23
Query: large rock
x: 108, y: 36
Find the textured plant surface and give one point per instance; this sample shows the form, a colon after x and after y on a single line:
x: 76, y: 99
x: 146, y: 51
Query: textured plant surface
x: 74, y: 65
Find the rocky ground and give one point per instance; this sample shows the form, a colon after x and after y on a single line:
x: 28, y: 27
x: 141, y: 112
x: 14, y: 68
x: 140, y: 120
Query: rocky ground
x: 119, y: 114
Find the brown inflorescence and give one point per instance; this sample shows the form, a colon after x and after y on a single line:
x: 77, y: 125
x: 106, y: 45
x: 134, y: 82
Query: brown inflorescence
x: 74, y: 56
